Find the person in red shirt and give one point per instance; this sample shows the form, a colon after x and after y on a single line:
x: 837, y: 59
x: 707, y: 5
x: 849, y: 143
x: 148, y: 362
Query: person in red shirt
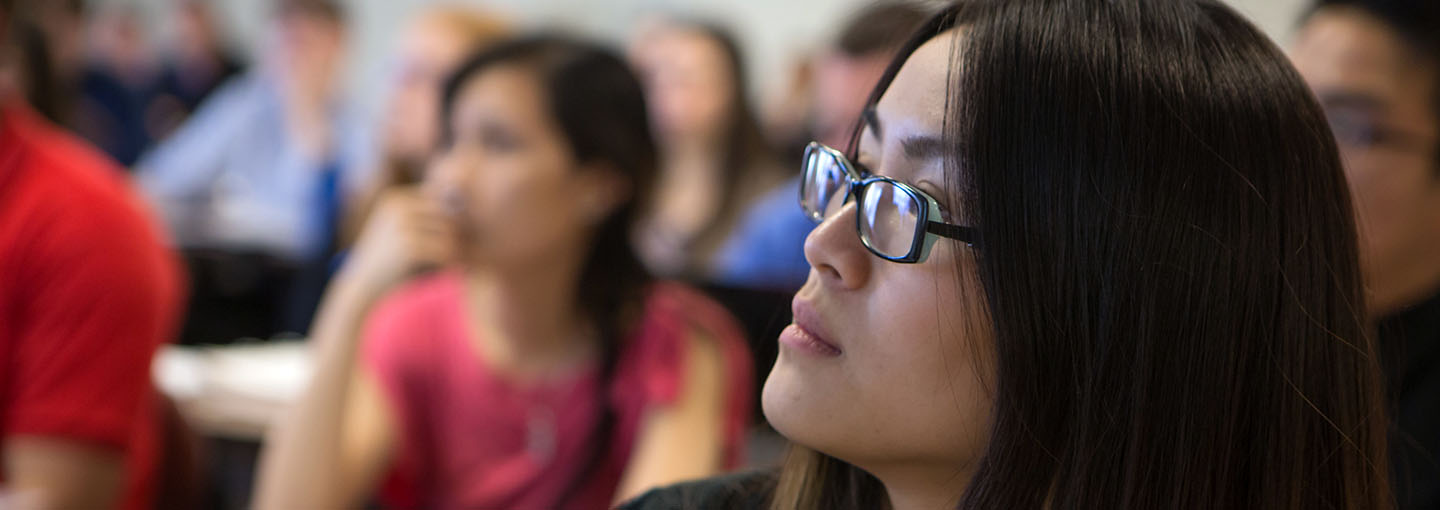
x: 87, y: 294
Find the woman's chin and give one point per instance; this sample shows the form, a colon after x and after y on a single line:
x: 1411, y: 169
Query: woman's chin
x: 794, y: 404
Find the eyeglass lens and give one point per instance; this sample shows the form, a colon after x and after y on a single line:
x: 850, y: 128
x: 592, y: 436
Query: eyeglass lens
x: 888, y: 214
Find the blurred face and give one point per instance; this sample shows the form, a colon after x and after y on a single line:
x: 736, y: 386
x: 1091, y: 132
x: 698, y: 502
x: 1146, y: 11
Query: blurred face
x: 508, y: 179
x: 305, y: 46
x: 196, y: 37
x: 428, y: 52
x: 689, y: 84
x: 842, y: 85
x: 885, y: 364
x: 1381, y: 107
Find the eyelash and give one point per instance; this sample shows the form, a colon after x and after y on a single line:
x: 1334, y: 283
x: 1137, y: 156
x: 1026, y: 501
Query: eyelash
x: 865, y: 173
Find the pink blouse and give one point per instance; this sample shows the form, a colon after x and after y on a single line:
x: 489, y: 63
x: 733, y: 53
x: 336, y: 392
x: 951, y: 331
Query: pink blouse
x: 470, y: 439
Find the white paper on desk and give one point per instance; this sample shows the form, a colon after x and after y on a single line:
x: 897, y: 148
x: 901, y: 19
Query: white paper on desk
x: 179, y: 372
x: 273, y: 372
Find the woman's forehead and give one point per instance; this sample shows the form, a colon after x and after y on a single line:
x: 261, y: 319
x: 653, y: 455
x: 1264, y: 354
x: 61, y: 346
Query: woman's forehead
x: 914, y: 103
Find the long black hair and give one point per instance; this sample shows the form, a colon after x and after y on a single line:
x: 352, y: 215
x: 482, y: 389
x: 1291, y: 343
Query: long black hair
x: 598, y: 104
x: 1170, y: 266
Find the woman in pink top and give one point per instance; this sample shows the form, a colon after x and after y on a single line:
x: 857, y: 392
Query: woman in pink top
x: 540, y: 368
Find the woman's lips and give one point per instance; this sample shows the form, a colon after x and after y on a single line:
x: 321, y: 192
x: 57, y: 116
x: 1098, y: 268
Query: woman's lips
x: 806, y: 333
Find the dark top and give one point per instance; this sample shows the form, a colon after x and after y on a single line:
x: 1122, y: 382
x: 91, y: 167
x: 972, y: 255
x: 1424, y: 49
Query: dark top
x: 741, y: 491
x: 1411, y: 343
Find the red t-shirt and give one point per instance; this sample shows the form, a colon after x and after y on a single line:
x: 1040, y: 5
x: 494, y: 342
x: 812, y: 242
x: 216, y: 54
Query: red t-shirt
x: 472, y: 439
x: 87, y: 294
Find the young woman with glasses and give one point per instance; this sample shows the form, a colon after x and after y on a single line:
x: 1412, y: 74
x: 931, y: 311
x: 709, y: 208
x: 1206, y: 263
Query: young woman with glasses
x: 1081, y: 254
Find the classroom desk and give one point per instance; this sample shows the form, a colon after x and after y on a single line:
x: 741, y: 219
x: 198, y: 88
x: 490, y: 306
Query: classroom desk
x: 233, y: 391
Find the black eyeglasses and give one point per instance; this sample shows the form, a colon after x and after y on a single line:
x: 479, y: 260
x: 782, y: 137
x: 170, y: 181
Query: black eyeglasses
x: 895, y: 220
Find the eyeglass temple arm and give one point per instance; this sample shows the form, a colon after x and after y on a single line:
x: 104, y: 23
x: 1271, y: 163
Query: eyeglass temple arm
x: 967, y: 235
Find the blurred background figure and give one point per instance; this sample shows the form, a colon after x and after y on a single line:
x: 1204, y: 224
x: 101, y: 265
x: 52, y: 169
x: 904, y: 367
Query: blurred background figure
x: 132, y: 95
x: 54, y: 56
x: 1375, y: 66
x: 766, y: 250
x: 254, y: 184
x: 117, y: 85
x: 430, y: 48
x: 196, y: 63
x: 89, y: 292
x: 714, y: 160
x: 541, y: 367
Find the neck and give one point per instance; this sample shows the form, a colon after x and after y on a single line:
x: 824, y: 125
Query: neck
x: 528, y: 318
x: 931, y: 487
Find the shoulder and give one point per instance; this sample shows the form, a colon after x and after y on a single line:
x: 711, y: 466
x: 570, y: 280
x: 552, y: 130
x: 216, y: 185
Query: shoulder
x: 745, y: 491
x: 394, y: 328
x: 690, y: 312
x: 677, y: 321
x: 425, y: 293
x: 72, y: 209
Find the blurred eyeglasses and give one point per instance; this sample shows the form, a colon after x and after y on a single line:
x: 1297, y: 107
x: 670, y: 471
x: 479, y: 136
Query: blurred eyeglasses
x: 1360, y: 130
x: 896, y: 221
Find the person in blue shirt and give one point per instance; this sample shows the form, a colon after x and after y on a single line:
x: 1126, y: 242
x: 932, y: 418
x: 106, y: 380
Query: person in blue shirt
x: 253, y: 186
x: 265, y: 164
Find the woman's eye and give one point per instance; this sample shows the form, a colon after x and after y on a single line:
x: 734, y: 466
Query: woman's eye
x: 499, y: 141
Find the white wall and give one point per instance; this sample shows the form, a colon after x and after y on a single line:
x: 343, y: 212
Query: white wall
x: 772, y: 32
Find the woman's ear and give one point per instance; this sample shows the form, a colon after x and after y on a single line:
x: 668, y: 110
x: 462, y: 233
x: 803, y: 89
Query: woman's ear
x: 602, y: 189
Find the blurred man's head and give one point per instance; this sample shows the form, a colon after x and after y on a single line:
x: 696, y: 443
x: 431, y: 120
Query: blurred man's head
x: 845, y: 73
x: 197, y: 36
x: 307, y: 39
x: 1375, y: 66
x: 429, y: 49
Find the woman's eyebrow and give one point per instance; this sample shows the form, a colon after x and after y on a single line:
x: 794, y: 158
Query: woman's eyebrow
x: 923, y: 148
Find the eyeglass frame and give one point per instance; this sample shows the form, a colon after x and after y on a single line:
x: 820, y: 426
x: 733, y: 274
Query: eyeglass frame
x: 926, y: 233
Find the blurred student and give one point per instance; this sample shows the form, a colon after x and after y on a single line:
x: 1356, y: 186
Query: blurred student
x: 1375, y: 66
x: 430, y: 48
x: 89, y: 293
x: 1052, y: 274
x: 263, y: 165
x: 54, y: 53
x: 130, y: 94
x: 714, y: 161
x: 255, y: 182
x: 117, y: 85
x: 196, y: 63
x: 765, y: 250
x: 542, y: 368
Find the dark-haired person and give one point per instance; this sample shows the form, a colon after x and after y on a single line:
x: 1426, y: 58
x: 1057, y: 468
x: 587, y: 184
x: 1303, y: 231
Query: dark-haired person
x: 765, y: 250
x: 87, y: 293
x: 714, y: 160
x: 1375, y: 66
x: 542, y: 369
x: 1052, y: 274
x: 255, y: 181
